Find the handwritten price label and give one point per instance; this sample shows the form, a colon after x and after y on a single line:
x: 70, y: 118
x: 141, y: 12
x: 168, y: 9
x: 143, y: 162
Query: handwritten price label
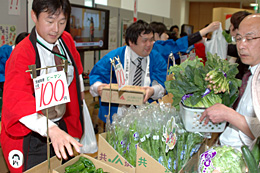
x: 120, y: 76
x: 51, y: 90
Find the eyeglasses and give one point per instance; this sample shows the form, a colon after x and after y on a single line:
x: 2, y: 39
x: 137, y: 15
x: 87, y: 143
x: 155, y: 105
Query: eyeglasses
x: 247, y: 39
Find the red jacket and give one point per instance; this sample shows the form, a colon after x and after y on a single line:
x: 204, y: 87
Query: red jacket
x: 19, y: 100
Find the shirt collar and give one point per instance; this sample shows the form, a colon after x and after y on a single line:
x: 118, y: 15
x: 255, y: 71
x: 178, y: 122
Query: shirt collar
x: 48, y: 45
x: 253, y: 69
x: 134, y: 56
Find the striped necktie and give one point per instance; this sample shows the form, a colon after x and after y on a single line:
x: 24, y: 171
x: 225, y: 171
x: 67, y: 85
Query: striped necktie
x: 58, y: 60
x: 138, y: 73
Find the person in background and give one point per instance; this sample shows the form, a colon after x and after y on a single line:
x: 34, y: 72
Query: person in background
x: 175, y: 29
x: 165, y: 47
x: 160, y: 31
x: 243, y: 126
x: 5, y: 52
x: 172, y: 35
x: 24, y: 130
x: 137, y: 55
x: 235, y: 20
x: 183, y: 34
x: 20, y: 37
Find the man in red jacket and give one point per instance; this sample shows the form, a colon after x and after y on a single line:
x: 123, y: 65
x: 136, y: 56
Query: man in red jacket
x: 24, y: 130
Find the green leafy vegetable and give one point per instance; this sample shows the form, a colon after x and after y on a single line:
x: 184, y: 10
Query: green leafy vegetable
x: 227, y: 36
x: 222, y: 158
x: 203, y: 86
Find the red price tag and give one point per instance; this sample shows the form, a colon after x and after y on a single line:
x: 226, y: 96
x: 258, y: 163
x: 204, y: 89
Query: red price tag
x: 51, y: 90
x: 120, y: 76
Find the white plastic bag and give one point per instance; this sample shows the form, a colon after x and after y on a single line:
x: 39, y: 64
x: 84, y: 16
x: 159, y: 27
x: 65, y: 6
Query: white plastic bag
x: 88, y: 139
x: 218, y: 44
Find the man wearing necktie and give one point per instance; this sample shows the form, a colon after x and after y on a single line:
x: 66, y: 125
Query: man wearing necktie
x: 24, y: 130
x: 243, y: 126
x: 143, y: 66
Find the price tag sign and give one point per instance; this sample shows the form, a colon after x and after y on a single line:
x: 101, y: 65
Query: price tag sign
x: 51, y: 90
x: 120, y: 76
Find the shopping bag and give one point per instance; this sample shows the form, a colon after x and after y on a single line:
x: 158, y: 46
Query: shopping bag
x: 88, y: 139
x: 218, y: 44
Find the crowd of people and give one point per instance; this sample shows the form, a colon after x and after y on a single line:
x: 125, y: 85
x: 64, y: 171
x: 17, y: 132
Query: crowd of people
x: 144, y: 59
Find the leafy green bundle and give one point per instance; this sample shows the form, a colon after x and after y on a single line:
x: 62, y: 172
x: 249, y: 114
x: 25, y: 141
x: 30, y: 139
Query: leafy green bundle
x: 146, y: 126
x: 203, y: 86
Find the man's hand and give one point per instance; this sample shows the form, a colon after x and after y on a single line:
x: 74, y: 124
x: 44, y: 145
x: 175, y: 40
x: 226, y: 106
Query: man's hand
x: 149, y: 91
x: 61, y: 141
x: 217, y: 113
x: 100, y: 88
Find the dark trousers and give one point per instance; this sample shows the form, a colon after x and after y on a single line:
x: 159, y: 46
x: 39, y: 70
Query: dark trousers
x: 35, y: 148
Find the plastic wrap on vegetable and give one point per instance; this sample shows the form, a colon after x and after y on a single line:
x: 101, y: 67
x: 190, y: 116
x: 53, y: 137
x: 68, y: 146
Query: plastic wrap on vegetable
x: 223, y: 159
x: 153, y: 126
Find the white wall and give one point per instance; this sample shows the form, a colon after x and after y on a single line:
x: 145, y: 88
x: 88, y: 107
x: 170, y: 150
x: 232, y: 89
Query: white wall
x: 179, y: 12
x: 114, y: 3
x: 149, y: 6
x: 30, y: 21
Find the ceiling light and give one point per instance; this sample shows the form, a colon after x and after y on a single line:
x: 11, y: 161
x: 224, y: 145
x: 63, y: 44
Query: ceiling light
x: 253, y: 4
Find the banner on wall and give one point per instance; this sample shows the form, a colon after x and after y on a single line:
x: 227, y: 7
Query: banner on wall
x: 7, y: 34
x: 135, y: 10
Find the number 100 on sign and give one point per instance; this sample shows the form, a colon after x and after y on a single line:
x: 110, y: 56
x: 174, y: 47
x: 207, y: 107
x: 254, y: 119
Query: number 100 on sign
x: 51, y: 90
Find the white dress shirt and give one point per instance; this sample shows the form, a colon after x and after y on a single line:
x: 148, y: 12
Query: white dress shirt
x: 233, y: 136
x: 38, y: 122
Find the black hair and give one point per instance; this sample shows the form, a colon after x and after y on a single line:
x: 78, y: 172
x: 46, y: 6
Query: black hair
x: 174, y: 26
x: 52, y: 7
x: 172, y: 35
x: 158, y: 27
x: 237, y: 17
x: 20, y: 37
x: 183, y: 34
x: 136, y: 29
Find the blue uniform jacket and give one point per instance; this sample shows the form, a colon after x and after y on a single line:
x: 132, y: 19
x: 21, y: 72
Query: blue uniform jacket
x: 168, y: 46
x: 101, y: 72
x: 5, y: 52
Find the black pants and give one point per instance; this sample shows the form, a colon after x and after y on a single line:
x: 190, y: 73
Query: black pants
x: 35, y: 148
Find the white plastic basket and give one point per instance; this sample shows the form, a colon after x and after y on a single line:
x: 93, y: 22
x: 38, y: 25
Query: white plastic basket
x: 191, y: 120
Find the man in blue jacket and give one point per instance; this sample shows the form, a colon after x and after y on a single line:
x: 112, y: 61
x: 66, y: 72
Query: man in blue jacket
x: 139, y: 40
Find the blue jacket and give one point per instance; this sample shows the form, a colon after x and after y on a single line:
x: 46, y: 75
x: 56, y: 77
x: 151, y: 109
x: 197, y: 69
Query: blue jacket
x: 5, y: 52
x: 168, y: 46
x: 101, y: 72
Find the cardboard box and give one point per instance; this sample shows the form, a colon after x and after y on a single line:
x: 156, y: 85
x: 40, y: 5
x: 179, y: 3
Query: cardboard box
x: 43, y: 167
x: 128, y: 95
x: 97, y: 163
x: 108, y: 155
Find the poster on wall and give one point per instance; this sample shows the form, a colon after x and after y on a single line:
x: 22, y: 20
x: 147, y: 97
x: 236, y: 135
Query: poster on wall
x: 124, y: 24
x: 7, y: 34
x: 227, y: 21
x: 112, y: 36
x: 14, y: 7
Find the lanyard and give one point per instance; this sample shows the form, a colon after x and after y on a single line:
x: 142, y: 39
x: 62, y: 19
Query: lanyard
x: 62, y: 56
